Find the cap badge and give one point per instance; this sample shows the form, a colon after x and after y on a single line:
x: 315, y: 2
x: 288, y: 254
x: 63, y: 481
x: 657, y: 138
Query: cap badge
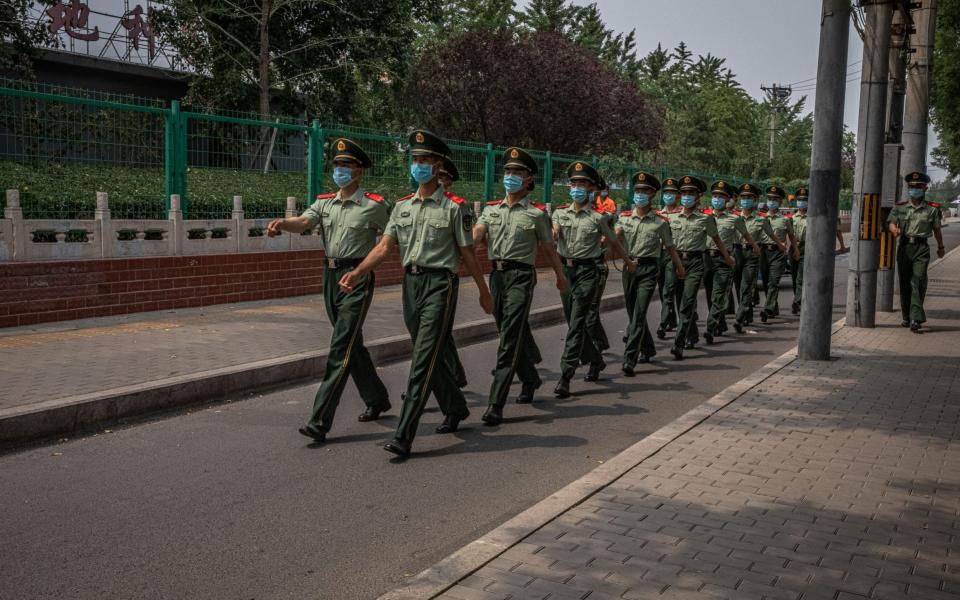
x: 578, y: 167
x: 419, y: 137
x: 341, y: 146
x: 642, y: 177
x: 686, y: 180
x: 720, y: 185
x: 514, y: 153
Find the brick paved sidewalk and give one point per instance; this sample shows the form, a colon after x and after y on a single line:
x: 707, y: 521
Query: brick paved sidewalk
x: 58, y: 360
x: 836, y: 480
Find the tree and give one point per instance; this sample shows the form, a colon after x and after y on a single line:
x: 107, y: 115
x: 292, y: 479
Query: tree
x: 539, y: 91
x: 945, y: 87
x: 19, y: 38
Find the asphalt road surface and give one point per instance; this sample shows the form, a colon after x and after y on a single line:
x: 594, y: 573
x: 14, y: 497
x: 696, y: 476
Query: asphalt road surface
x: 229, y: 501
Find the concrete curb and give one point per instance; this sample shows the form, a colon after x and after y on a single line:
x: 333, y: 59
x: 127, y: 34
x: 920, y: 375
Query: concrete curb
x: 77, y: 413
x: 449, y: 571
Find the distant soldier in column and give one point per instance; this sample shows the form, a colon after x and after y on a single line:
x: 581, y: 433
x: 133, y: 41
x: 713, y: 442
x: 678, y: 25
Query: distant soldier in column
x: 434, y: 234
x: 757, y: 226
x: 643, y: 233
x: 800, y: 233
x: 667, y: 281
x: 349, y: 222
x: 913, y: 222
x: 581, y: 227
x: 773, y: 257
x: 603, y: 204
x: 449, y: 174
x: 516, y: 229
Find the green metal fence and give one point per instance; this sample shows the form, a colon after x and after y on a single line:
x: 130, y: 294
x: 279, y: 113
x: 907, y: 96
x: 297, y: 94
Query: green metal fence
x: 60, y: 146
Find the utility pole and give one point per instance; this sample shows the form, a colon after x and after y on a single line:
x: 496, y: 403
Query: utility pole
x: 817, y: 314
x: 917, y: 101
x: 868, y: 174
x: 777, y: 95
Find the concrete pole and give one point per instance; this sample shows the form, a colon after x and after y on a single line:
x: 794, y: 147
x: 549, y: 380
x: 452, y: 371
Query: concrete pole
x: 868, y: 174
x: 917, y: 103
x: 817, y: 314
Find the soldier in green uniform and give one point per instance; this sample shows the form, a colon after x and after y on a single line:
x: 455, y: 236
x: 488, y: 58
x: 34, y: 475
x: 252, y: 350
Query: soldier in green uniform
x: 606, y: 205
x: 643, y: 233
x: 913, y: 222
x: 800, y: 233
x: 758, y: 226
x: 516, y: 229
x: 733, y: 231
x: 775, y: 259
x: 434, y: 234
x: 691, y: 229
x: 449, y: 174
x: 667, y: 279
x: 578, y: 230
x: 349, y: 223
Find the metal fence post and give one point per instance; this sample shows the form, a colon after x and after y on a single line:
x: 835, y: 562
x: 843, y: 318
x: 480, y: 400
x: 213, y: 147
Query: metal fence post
x: 548, y: 178
x: 178, y: 156
x: 488, y: 171
x: 169, y: 162
x: 314, y: 159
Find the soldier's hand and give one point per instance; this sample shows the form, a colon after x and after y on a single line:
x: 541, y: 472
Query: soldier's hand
x: 796, y: 254
x: 783, y: 247
x: 756, y: 250
x: 562, y: 283
x: 730, y: 261
x: 486, y: 302
x: 940, y: 252
x: 348, y: 281
x: 681, y: 272
x: 273, y: 228
x: 630, y: 265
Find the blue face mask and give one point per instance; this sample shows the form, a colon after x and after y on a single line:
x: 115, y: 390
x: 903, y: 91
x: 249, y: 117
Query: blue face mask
x: 801, y: 204
x: 512, y: 183
x: 578, y: 194
x: 746, y: 203
x: 688, y: 201
x: 915, y: 193
x: 717, y: 203
x: 342, y: 176
x: 421, y: 172
x: 641, y: 200
x: 669, y: 199
x: 772, y: 205
x: 604, y: 193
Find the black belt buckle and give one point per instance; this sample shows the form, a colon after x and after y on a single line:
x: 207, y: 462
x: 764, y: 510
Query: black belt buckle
x: 332, y: 263
x: 569, y: 262
x: 498, y: 265
x: 714, y: 252
x: 414, y: 269
x: 771, y: 247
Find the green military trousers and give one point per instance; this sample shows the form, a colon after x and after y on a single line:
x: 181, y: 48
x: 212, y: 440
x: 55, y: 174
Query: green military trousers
x: 347, y: 354
x: 593, y: 321
x: 638, y: 290
x: 776, y: 263
x: 576, y: 305
x: 912, y: 262
x: 668, y: 293
x: 718, y: 291
x: 690, y: 286
x: 429, y: 300
x: 798, y: 279
x: 450, y: 353
x: 748, y: 286
x: 512, y: 291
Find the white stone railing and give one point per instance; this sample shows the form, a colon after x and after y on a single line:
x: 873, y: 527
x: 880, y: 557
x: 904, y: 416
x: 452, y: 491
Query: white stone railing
x: 104, y: 237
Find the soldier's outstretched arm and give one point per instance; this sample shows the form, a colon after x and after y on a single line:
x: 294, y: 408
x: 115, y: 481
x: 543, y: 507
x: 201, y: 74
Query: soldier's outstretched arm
x: 723, y: 251
x: 371, y: 262
x: 290, y: 224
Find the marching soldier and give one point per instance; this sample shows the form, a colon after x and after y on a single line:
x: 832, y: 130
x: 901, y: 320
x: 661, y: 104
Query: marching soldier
x: 349, y: 222
x: 757, y: 226
x: 516, y: 229
x: 434, y: 235
x: 774, y: 258
x: 643, y: 233
x: 667, y: 281
x: 605, y: 205
x: 449, y: 174
x: 731, y: 229
x: 800, y: 233
x: 691, y: 228
x: 578, y: 229
x: 914, y: 222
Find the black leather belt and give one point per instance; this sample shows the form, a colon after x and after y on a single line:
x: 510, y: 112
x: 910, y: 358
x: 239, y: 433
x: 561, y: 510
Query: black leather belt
x: 713, y: 252
x: 337, y: 263
x: 739, y: 246
x: 418, y: 270
x: 691, y: 254
x: 579, y: 262
x: 771, y: 247
x: 913, y: 239
x: 510, y: 265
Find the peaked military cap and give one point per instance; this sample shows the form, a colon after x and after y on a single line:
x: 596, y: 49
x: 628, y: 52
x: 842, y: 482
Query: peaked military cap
x: 748, y: 188
x: 722, y: 187
x: 689, y: 181
x: 917, y: 177
x: 583, y: 170
x: 670, y: 184
x: 776, y: 191
x: 802, y: 193
x: 344, y: 149
x: 449, y: 168
x: 422, y: 142
x: 645, y: 179
x: 517, y: 157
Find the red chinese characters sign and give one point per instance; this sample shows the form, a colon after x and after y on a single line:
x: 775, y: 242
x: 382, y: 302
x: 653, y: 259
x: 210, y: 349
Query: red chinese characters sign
x: 72, y: 18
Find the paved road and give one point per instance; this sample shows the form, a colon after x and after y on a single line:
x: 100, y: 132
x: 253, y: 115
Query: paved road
x: 229, y: 502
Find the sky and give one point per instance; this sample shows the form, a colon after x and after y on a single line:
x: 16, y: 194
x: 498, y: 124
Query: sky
x: 780, y: 45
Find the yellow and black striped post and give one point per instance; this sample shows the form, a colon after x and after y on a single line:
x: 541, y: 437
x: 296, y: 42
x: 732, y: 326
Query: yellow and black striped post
x: 870, y: 217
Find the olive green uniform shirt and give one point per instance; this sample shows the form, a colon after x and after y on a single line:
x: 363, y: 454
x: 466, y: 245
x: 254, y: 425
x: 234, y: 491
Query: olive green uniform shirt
x: 581, y: 231
x: 430, y: 231
x: 690, y: 232
x: 515, y: 232
x: 730, y: 227
x: 349, y: 225
x: 759, y: 228
x: 645, y: 235
x: 780, y: 225
x: 799, y: 226
x: 917, y: 221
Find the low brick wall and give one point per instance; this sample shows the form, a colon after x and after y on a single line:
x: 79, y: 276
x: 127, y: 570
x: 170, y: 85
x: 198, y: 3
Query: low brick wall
x: 38, y: 292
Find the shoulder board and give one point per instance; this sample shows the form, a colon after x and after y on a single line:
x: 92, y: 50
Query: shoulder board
x: 494, y: 202
x: 540, y: 206
x: 454, y: 197
x: 934, y: 204
x: 665, y: 218
x: 626, y: 213
x: 374, y: 197
x: 599, y: 211
x: 563, y: 206
x: 763, y: 214
x: 325, y: 196
x: 707, y: 211
x: 902, y: 202
x: 735, y: 212
x: 407, y: 197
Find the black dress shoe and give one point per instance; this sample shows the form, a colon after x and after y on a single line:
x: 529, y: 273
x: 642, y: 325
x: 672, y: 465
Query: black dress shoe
x: 372, y: 414
x: 646, y: 358
x: 526, y: 393
x: 689, y: 345
x: 905, y: 323
x: 493, y: 416
x: 677, y: 353
x: 763, y: 315
x: 624, y: 339
x: 398, y: 447
x: 594, y: 373
x: 628, y: 371
x: 738, y: 326
x: 709, y: 337
x: 563, y: 388
x: 915, y: 326
x: 311, y: 430
x: 795, y: 308
x: 661, y: 334
x: 449, y: 425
